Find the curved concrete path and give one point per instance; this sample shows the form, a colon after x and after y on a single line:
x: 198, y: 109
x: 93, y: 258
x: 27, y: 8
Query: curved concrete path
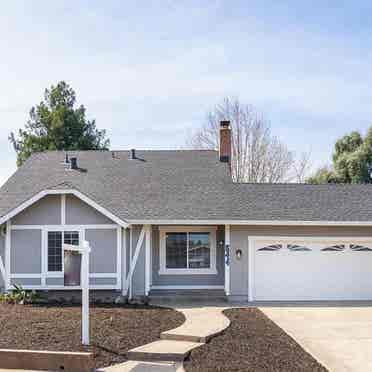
x: 167, y: 354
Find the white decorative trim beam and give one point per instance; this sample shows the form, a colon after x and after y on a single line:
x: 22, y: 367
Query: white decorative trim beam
x: 135, y: 259
x: 227, y: 259
x: 148, y: 259
x: 165, y: 287
x: 251, y: 222
x: 2, y: 270
x: 7, y: 253
x: 64, y: 227
x: 63, y: 209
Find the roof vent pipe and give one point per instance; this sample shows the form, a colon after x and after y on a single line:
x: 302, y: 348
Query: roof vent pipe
x: 132, y: 154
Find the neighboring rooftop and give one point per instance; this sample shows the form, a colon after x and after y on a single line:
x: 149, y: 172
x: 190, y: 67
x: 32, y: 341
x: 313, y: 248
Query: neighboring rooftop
x: 181, y: 185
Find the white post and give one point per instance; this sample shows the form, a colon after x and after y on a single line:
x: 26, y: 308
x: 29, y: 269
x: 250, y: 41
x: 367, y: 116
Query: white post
x: 227, y: 259
x: 7, y: 254
x: 129, y: 286
x: 84, y: 250
x: 147, y: 259
x: 85, y: 293
x: 2, y: 271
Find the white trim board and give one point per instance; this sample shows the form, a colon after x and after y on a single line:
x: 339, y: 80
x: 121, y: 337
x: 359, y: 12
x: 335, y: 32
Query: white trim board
x: 8, y: 244
x: 78, y: 194
x: 63, y: 209
x: 251, y: 222
x: 165, y: 287
x: 2, y: 270
x: 69, y: 288
x: 64, y: 227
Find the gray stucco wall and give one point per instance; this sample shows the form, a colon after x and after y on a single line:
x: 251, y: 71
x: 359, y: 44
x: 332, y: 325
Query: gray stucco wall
x: 239, y: 240
x: 80, y: 213
x: 2, y: 255
x: 103, y: 256
x: 25, y: 252
x: 215, y: 279
x: 46, y: 211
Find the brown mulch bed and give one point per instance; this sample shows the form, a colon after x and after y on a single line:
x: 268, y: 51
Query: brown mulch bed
x: 114, y: 329
x: 252, y: 343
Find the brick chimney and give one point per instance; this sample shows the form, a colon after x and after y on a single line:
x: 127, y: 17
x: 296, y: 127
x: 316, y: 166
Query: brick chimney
x: 225, y: 142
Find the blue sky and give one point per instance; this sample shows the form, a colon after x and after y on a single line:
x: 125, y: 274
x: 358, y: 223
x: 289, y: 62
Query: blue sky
x: 149, y: 70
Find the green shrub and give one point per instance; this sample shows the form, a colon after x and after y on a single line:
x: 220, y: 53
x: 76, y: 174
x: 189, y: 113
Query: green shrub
x: 19, y: 296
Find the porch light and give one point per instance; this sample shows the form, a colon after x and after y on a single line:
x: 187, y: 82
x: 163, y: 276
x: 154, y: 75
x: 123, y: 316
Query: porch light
x: 238, y: 254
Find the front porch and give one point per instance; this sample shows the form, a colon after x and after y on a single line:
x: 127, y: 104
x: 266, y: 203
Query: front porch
x: 177, y: 262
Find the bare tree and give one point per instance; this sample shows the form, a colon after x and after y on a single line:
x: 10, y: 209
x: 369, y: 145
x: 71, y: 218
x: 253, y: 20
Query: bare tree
x: 302, y: 167
x: 257, y: 155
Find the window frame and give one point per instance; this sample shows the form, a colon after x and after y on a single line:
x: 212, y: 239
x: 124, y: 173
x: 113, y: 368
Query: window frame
x: 163, y: 270
x: 59, y: 274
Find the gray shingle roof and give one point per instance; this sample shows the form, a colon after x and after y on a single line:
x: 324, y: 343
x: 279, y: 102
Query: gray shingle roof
x: 190, y: 185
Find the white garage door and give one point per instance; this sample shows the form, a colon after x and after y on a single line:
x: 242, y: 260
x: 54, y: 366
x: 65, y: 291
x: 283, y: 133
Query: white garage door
x: 310, y: 269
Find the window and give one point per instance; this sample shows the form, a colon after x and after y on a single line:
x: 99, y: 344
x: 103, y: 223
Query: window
x: 298, y: 248
x: 55, y: 249
x: 334, y: 248
x: 188, y: 251
x: 359, y: 248
x: 270, y: 248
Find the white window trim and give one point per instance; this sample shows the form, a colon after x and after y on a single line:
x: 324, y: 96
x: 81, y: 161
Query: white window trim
x: 163, y: 270
x: 62, y: 229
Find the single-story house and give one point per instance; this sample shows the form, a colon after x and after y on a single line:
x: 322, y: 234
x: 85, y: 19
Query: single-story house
x: 160, y: 221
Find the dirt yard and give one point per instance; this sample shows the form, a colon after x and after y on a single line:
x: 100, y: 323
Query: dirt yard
x: 114, y: 330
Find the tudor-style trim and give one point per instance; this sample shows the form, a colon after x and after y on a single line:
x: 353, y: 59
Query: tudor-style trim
x: 45, y: 274
x: 26, y: 276
x: 147, y: 259
x: 227, y: 259
x: 128, y: 285
x: 78, y: 194
x: 61, y: 275
x: 8, y: 244
x: 72, y: 288
x: 124, y: 262
x: 64, y: 227
x: 118, y: 257
x: 163, y: 270
x: 2, y: 270
x: 250, y: 222
x: 63, y: 209
x: 250, y: 257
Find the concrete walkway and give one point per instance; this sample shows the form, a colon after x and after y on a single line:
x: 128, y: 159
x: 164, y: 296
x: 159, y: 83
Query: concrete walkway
x: 338, y: 337
x: 174, y: 346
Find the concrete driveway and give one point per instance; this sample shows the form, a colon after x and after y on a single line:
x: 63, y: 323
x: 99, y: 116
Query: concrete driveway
x: 338, y: 337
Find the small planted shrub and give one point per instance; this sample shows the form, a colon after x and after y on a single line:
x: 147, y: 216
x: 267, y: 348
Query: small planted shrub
x: 19, y: 296
x: 22, y: 296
